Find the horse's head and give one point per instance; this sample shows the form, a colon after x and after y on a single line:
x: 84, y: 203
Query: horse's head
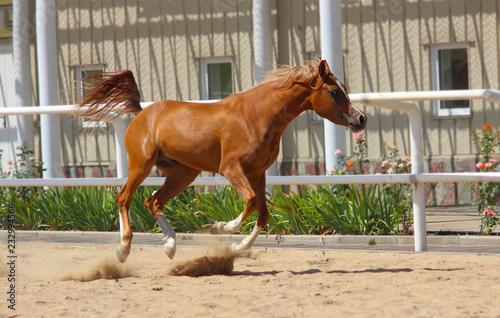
x: 330, y: 100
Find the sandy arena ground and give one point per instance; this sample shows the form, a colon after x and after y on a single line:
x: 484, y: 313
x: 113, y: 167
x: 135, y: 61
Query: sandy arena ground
x: 268, y: 283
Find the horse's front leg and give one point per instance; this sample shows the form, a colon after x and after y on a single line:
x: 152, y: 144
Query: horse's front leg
x: 254, y: 192
x: 261, y: 223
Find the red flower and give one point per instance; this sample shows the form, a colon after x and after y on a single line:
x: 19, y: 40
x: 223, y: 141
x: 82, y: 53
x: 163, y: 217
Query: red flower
x: 486, y: 126
x: 480, y: 165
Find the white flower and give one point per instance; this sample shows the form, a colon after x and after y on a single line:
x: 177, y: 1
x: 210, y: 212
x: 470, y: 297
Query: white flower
x: 338, y: 152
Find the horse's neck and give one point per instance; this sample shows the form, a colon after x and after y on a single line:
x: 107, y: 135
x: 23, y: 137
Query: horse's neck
x: 286, y: 104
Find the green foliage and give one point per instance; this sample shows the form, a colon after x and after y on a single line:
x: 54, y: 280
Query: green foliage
x: 359, y: 210
x: 400, y: 196
x: 24, y: 166
x: 369, y: 209
x: 140, y: 218
x: 293, y: 213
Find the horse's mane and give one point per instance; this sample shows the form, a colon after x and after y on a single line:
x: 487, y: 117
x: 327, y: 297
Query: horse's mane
x: 285, y: 77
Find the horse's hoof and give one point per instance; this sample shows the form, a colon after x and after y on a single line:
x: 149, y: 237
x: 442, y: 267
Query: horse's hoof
x: 235, y: 248
x: 122, y: 257
x: 169, y: 247
x: 218, y: 228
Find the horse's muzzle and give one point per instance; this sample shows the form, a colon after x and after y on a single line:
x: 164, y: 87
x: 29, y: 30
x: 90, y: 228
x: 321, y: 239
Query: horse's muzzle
x: 357, y: 123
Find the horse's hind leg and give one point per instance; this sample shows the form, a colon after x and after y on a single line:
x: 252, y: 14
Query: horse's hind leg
x: 138, y: 171
x: 178, y: 177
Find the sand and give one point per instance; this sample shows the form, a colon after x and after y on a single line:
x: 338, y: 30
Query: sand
x: 87, y: 281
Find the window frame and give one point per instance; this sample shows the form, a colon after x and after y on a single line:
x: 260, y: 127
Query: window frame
x: 204, y: 73
x: 450, y: 112
x: 79, y: 69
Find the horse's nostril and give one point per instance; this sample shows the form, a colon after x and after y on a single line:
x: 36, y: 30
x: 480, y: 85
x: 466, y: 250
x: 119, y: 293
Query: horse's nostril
x: 362, y: 119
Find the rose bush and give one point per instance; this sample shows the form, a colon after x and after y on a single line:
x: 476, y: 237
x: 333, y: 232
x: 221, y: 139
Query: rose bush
x: 486, y: 203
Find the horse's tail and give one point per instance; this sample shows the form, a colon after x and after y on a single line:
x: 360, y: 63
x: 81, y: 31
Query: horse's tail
x: 108, y: 95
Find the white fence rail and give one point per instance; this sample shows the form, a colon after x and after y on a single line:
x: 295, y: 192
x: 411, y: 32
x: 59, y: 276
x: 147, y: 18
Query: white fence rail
x: 395, y: 101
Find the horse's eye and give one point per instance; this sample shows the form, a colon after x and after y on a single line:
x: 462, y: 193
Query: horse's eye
x: 333, y: 93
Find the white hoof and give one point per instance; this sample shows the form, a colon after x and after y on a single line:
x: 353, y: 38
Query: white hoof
x: 235, y: 247
x: 218, y: 228
x: 169, y: 247
x: 122, y: 257
x: 239, y: 247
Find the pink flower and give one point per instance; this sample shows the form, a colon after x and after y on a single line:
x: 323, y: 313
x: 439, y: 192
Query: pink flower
x: 485, y: 213
x: 401, y: 165
x: 480, y: 165
x: 490, y: 212
x: 488, y: 165
x: 408, y: 164
x: 338, y: 152
x: 358, y: 136
x: 493, y: 161
x: 22, y: 163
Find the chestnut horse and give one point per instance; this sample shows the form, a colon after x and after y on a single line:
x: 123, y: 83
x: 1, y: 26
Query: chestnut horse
x: 237, y: 137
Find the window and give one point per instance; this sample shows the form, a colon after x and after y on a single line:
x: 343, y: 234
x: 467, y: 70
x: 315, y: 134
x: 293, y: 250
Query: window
x: 6, y: 20
x: 217, y: 78
x: 450, y: 72
x: 80, y: 74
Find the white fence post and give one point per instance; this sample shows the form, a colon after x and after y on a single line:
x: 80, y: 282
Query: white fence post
x: 417, y: 166
x: 50, y: 129
x: 331, y: 51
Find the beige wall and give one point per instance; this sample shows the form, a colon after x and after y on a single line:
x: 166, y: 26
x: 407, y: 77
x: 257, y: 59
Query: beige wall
x: 386, y: 45
x: 388, y: 49
x: 162, y: 42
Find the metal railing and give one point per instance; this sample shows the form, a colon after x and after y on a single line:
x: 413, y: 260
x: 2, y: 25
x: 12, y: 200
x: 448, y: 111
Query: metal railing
x: 393, y: 100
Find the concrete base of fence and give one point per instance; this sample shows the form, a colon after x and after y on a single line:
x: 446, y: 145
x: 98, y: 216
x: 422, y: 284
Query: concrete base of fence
x: 78, y: 237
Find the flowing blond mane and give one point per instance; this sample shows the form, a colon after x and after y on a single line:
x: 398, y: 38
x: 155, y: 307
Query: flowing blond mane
x: 285, y: 77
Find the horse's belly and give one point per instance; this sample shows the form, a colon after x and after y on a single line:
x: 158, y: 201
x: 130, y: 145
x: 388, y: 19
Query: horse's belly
x: 201, y: 156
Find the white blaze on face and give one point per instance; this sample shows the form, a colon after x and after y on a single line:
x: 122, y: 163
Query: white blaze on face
x: 339, y: 84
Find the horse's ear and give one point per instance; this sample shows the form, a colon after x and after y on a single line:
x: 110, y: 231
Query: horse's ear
x: 323, y: 69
